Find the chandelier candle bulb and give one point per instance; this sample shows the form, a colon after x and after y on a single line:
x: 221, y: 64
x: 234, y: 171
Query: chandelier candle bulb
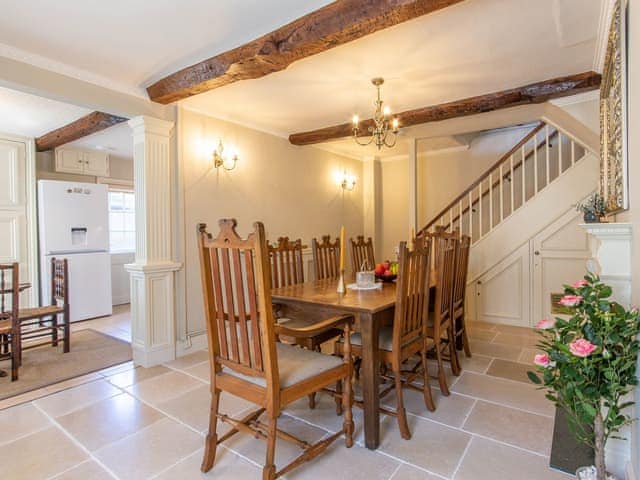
x: 395, y: 125
x: 355, y: 120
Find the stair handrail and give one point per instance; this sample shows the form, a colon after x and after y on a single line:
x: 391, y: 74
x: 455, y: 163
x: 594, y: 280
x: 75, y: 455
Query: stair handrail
x: 485, y: 174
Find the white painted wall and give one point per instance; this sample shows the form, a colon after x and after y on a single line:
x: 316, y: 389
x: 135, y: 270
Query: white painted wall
x: 293, y: 190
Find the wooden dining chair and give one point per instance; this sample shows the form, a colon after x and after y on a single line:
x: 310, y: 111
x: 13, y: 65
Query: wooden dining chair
x: 44, y: 321
x: 407, y: 336
x: 287, y: 269
x: 362, y: 254
x: 246, y: 360
x: 459, y: 294
x: 326, y: 257
x: 440, y: 323
x: 9, y: 324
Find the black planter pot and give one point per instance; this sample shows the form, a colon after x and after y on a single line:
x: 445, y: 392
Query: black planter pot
x: 567, y: 454
x: 590, y: 217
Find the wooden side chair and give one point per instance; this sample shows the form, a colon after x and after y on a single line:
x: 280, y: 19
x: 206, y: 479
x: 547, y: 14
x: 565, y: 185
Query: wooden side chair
x: 440, y: 323
x: 245, y: 358
x: 9, y: 325
x: 459, y: 294
x: 38, y: 322
x: 326, y: 257
x: 362, y: 253
x: 408, y: 334
x: 287, y: 269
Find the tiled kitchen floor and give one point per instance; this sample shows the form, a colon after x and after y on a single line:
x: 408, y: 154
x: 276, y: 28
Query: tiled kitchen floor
x: 135, y: 423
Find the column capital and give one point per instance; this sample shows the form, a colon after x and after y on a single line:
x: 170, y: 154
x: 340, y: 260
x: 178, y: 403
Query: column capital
x: 153, y: 125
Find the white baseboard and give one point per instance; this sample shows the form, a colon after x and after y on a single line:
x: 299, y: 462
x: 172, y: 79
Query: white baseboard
x: 191, y: 344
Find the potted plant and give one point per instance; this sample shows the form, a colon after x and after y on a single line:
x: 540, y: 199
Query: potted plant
x: 594, y: 207
x: 588, y: 364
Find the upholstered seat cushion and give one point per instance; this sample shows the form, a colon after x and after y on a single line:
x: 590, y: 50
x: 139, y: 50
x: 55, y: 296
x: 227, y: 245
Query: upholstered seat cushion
x: 295, y: 365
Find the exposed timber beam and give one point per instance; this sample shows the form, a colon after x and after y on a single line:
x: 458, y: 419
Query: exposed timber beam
x: 529, y: 94
x: 332, y: 25
x: 92, y: 123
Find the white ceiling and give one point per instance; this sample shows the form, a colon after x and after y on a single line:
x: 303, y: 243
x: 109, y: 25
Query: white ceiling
x: 31, y: 116
x: 116, y: 140
x: 471, y: 48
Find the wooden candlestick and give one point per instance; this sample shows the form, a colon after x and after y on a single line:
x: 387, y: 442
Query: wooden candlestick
x: 341, y: 288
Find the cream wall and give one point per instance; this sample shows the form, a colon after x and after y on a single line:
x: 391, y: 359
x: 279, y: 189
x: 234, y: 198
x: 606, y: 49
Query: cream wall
x: 395, y: 206
x: 293, y: 190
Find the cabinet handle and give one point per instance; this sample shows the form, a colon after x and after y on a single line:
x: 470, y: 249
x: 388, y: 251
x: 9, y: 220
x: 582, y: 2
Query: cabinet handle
x: 537, y: 252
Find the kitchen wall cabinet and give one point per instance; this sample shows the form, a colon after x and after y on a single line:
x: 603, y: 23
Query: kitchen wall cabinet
x: 82, y: 162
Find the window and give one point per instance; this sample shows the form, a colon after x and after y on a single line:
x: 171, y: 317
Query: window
x: 122, y: 221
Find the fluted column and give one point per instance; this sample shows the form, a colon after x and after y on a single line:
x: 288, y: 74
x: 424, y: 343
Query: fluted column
x: 152, y: 274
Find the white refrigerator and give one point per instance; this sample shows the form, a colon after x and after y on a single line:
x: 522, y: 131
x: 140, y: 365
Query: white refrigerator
x: 74, y: 224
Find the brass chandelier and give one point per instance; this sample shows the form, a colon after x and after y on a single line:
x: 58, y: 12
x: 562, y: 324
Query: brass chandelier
x: 379, y: 131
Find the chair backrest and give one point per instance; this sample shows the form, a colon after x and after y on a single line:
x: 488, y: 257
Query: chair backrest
x: 286, y: 263
x: 362, y: 254
x: 9, y: 291
x: 326, y: 257
x: 412, y: 293
x: 59, y: 281
x: 237, y: 301
x: 461, y: 269
x: 445, y: 248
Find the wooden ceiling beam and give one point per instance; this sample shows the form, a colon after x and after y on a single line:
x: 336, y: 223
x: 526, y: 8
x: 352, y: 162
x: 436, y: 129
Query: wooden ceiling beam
x: 92, y: 123
x: 335, y: 24
x: 529, y: 94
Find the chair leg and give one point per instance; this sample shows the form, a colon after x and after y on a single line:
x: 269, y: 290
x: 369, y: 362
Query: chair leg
x: 54, y: 331
x: 401, y: 412
x: 347, y: 405
x: 15, y: 357
x: 465, y: 338
x: 453, y: 351
x: 442, y: 378
x: 338, y: 397
x: 211, y: 441
x: 312, y: 401
x: 426, y: 388
x: 269, y: 469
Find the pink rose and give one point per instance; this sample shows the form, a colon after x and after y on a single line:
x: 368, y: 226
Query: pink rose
x: 580, y: 284
x: 582, y: 348
x: 570, y: 300
x: 542, y: 360
x: 545, y: 324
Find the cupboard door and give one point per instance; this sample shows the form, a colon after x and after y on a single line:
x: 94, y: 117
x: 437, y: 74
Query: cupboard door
x: 96, y: 163
x: 69, y: 161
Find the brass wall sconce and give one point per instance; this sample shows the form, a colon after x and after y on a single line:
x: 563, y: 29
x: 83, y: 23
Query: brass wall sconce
x: 224, y: 160
x: 348, y: 182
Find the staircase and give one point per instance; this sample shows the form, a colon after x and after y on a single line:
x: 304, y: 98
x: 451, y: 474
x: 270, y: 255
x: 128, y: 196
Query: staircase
x: 543, y: 156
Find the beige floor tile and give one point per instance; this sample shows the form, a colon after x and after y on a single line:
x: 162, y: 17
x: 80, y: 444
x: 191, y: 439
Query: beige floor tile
x: 496, y: 350
x: 108, y: 420
x: 255, y: 449
x: 20, y: 421
x: 477, y: 363
x: 72, y: 382
x: 77, y: 397
x: 483, y: 325
x: 506, y: 392
x: 524, y: 341
x: 451, y: 410
x: 487, y: 460
x: 136, y: 375
x: 338, y: 461
x: 22, y: 398
x: 89, y: 470
x: 149, y: 451
x: 123, y: 367
x: 482, y: 334
x: 189, y: 360
x: 324, y: 415
x: 527, y: 355
x: 515, y: 330
x: 201, y: 371
x: 409, y: 472
x: 432, y: 446
x: 164, y: 387
x: 228, y: 466
x: 510, y: 370
x: 23, y: 459
x: 515, y: 427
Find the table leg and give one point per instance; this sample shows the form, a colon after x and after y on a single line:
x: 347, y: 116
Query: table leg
x: 369, y: 374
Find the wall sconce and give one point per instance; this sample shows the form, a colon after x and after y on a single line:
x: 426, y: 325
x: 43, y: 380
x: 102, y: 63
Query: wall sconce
x: 348, y: 182
x: 226, y: 161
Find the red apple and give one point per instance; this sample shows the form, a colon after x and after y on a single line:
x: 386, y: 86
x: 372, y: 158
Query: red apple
x: 386, y: 265
x: 387, y: 273
x: 379, y: 270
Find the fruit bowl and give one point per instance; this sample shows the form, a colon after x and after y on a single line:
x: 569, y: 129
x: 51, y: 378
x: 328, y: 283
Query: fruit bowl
x: 386, y: 278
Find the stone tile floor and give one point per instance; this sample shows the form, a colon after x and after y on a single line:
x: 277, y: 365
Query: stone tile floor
x: 135, y: 423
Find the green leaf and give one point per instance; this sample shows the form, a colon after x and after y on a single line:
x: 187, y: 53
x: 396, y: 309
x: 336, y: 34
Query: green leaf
x: 534, y: 378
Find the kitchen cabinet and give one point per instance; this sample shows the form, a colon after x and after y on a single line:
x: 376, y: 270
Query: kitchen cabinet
x: 82, y: 162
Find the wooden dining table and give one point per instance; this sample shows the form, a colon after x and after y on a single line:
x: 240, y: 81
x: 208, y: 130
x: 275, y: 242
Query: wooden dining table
x: 319, y: 299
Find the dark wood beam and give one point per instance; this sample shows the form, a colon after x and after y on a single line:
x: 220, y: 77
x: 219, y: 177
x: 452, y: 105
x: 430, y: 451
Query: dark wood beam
x: 335, y: 24
x: 92, y: 123
x: 535, y: 93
